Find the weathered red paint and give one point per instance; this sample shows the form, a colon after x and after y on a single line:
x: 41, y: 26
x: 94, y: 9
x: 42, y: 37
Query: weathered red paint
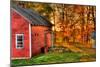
x: 38, y: 39
x: 21, y: 25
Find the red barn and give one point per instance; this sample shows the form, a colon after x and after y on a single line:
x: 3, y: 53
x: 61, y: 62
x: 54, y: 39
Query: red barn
x: 30, y: 33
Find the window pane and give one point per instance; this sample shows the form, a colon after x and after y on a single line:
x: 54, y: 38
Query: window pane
x: 20, y: 42
x: 19, y: 39
x: 20, y: 45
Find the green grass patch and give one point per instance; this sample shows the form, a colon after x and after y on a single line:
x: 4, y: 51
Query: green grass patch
x: 52, y: 58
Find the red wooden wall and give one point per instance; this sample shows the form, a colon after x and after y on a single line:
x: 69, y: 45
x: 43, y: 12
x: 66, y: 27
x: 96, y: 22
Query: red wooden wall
x: 38, y: 40
x: 19, y: 26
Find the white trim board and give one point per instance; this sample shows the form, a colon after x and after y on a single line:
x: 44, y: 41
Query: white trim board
x: 30, y: 45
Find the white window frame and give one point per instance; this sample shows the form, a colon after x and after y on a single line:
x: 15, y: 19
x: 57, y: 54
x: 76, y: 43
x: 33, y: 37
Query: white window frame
x: 17, y: 41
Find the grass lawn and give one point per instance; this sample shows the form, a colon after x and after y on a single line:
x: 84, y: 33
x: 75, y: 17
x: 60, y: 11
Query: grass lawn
x: 55, y: 58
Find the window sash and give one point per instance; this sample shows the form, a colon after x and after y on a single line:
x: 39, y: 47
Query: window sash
x: 19, y: 41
